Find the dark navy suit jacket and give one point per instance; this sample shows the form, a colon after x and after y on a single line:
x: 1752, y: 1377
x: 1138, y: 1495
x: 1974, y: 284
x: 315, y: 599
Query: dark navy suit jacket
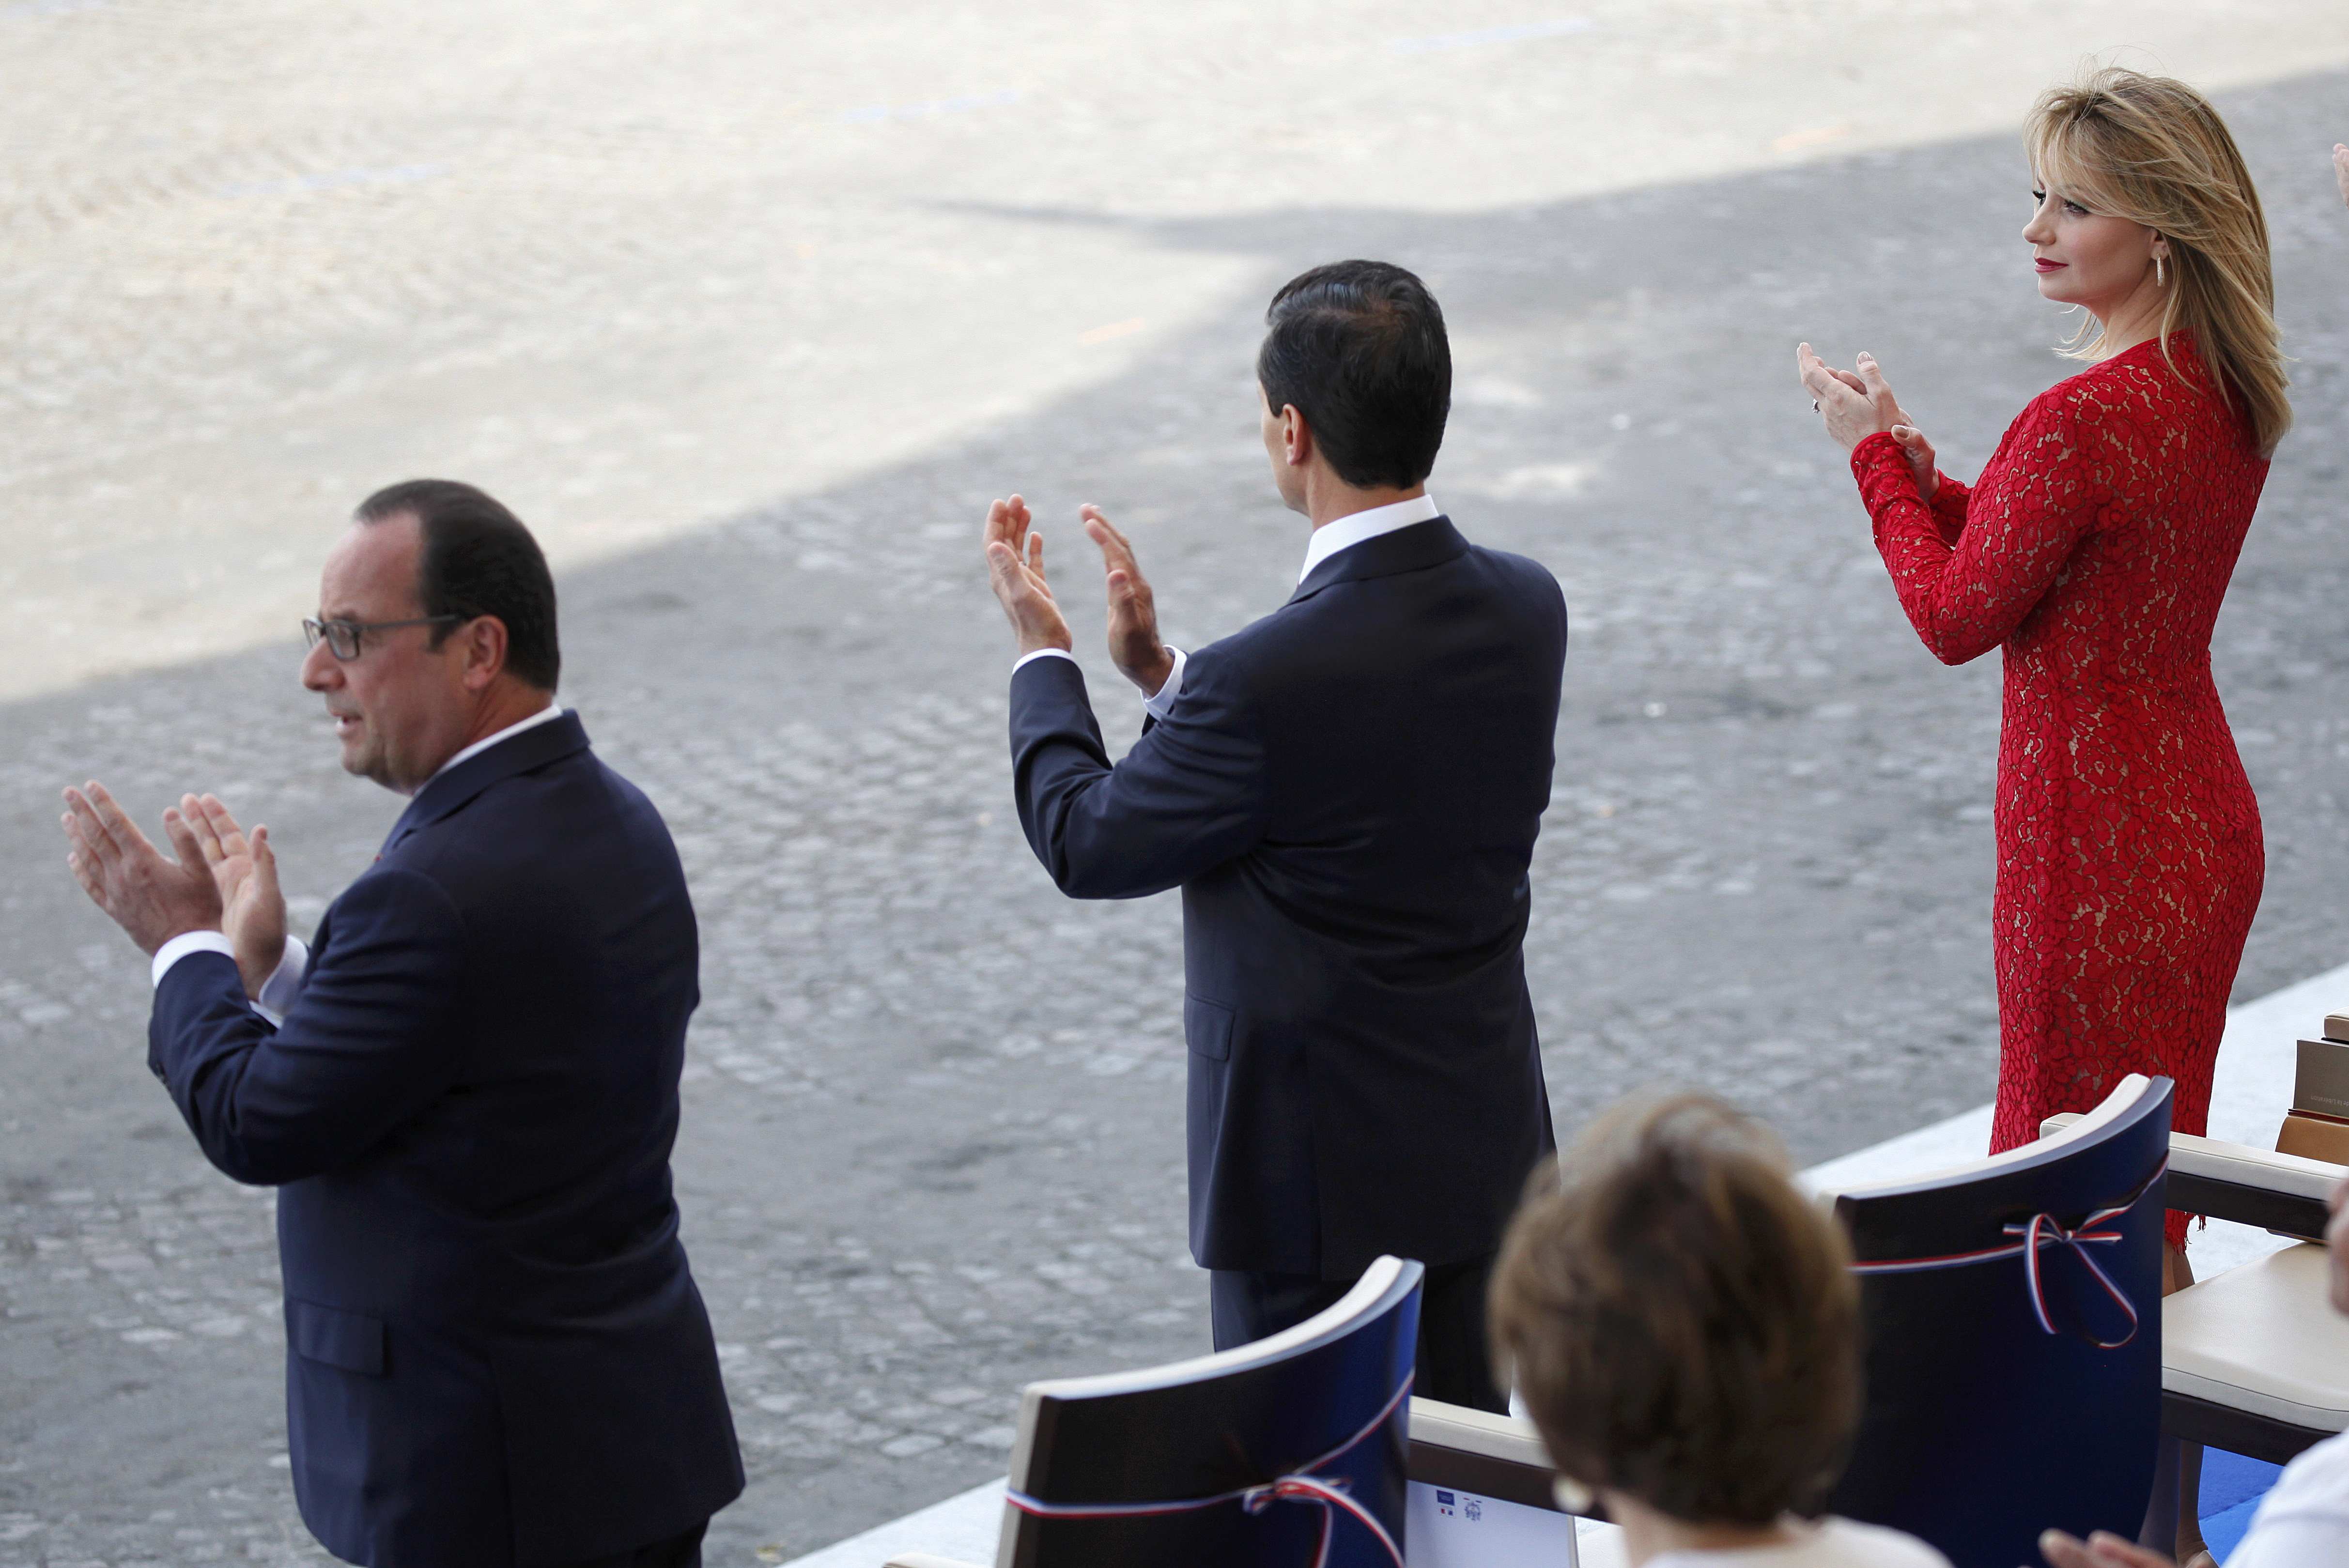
x: 496, y: 1353
x: 1347, y: 792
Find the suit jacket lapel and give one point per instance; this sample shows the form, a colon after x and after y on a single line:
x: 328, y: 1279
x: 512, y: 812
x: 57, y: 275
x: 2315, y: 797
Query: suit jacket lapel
x: 533, y: 747
x: 1412, y: 549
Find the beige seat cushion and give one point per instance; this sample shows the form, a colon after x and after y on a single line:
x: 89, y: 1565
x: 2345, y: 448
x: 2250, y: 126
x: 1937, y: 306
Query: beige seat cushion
x: 2261, y: 1338
x: 1509, y: 1440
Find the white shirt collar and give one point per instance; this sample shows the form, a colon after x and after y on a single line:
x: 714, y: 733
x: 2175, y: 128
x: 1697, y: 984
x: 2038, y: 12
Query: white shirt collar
x: 547, y: 714
x: 1345, y: 533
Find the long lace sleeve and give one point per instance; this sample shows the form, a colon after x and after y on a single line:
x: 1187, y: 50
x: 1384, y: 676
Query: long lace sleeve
x: 1967, y: 581
x: 1949, y: 498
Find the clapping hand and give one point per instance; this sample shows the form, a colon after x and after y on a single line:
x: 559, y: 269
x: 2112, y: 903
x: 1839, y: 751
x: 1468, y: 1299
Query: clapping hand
x: 1134, y: 644
x: 220, y: 882
x: 1858, y: 403
x: 151, y: 898
x: 244, y: 871
x: 1015, y: 568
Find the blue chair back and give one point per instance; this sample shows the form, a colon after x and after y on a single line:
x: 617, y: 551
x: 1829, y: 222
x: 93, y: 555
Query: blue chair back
x: 2013, y: 1309
x: 1264, y: 1454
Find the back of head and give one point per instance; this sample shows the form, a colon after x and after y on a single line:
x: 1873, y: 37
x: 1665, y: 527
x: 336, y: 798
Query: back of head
x: 478, y: 560
x: 1358, y: 348
x: 2152, y: 150
x: 1681, y: 1321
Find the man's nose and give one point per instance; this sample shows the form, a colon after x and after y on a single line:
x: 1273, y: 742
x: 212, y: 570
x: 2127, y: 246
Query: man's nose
x: 319, y: 671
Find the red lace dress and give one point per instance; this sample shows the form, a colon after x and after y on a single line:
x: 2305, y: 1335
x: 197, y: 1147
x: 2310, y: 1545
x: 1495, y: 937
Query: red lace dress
x: 2095, y: 548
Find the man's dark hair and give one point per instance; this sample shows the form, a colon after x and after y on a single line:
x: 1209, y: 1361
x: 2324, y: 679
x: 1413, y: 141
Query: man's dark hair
x: 478, y: 560
x: 1358, y: 348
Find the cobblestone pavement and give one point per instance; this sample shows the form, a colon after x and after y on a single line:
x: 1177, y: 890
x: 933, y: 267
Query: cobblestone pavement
x: 637, y: 267
x: 932, y: 1143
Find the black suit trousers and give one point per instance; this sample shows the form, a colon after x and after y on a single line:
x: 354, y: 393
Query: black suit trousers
x: 678, y: 1552
x: 1455, y: 1362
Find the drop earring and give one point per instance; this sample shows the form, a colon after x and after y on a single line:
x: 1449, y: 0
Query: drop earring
x: 2160, y: 277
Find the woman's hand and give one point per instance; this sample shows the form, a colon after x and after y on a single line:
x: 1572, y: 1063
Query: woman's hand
x: 1920, y: 453
x: 1855, y: 405
x: 1903, y: 429
x: 2102, y: 1550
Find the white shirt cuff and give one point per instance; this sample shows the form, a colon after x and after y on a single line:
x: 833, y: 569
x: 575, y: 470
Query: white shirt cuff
x: 277, y: 992
x: 1026, y: 659
x: 1162, y: 702
x: 189, y: 942
x: 1159, y: 704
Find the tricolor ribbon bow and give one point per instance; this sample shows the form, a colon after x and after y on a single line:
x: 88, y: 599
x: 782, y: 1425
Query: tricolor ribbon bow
x: 1300, y: 1485
x: 2041, y: 1231
x: 2034, y: 1236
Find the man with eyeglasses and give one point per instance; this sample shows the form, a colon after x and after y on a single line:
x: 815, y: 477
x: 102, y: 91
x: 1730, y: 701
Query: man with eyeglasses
x: 465, y: 1089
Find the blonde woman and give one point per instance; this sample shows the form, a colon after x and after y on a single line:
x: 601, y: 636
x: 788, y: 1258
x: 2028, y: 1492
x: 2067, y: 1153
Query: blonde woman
x: 2095, y: 549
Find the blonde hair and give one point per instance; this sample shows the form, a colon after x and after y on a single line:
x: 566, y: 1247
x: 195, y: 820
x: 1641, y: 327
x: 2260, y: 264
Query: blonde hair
x: 2152, y: 150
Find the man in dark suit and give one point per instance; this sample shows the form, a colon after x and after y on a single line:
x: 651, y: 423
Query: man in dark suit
x: 466, y: 1091
x: 1348, y: 793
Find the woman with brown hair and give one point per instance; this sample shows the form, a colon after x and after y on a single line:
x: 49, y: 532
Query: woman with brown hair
x: 1684, y: 1329
x: 2095, y: 549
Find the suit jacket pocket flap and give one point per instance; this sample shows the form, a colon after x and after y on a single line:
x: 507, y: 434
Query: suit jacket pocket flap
x: 1208, y: 1026
x: 339, y: 1338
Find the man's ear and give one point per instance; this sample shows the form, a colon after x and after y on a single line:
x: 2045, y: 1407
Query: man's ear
x: 485, y: 652
x: 1297, y: 437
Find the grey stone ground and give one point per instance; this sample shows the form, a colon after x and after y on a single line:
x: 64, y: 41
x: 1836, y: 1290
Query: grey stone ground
x: 932, y: 1145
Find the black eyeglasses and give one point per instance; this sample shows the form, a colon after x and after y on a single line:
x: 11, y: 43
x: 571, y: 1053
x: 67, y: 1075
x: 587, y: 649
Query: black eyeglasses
x: 343, y: 637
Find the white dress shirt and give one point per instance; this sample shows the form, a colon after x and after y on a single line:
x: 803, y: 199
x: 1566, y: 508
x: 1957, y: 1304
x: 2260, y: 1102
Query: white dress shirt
x: 1338, y: 534
x: 277, y: 992
x: 2304, y: 1522
x: 1829, y: 1542
x: 1345, y: 533
x: 547, y: 714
